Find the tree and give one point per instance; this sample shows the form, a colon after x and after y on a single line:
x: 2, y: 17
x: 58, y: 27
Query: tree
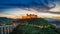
x: 24, y: 28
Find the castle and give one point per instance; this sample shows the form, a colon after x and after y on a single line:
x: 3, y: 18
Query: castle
x: 28, y: 16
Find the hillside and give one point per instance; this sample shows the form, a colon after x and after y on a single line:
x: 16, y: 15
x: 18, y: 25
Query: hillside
x: 34, y: 26
x: 5, y: 20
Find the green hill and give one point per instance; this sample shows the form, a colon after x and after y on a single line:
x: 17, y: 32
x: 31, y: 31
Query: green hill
x: 34, y: 26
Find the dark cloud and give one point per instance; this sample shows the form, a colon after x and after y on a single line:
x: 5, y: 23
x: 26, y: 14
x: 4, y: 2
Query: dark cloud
x: 25, y: 3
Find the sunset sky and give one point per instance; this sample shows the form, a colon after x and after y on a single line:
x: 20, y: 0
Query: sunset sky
x: 17, y: 8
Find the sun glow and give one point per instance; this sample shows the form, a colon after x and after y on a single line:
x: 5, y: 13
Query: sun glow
x: 18, y: 13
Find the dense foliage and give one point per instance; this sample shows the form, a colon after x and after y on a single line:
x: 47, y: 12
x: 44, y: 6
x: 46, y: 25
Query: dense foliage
x: 31, y: 26
x: 58, y: 30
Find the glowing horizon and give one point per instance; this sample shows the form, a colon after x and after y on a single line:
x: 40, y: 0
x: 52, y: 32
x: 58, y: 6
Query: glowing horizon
x: 18, y: 12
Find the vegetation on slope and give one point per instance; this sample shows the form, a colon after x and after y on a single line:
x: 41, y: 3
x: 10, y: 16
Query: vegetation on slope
x: 34, y: 26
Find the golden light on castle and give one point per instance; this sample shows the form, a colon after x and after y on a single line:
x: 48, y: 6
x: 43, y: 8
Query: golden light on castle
x: 28, y: 16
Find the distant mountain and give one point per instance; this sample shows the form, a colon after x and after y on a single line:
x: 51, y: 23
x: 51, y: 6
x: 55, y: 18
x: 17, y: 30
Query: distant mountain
x: 53, y: 21
x: 4, y: 20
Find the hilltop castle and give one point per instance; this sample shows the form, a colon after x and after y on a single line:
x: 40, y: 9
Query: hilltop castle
x: 28, y: 16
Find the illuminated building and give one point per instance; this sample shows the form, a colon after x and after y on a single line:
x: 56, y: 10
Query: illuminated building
x: 28, y: 16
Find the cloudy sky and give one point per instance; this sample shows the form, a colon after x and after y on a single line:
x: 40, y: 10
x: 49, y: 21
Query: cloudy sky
x: 21, y: 7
